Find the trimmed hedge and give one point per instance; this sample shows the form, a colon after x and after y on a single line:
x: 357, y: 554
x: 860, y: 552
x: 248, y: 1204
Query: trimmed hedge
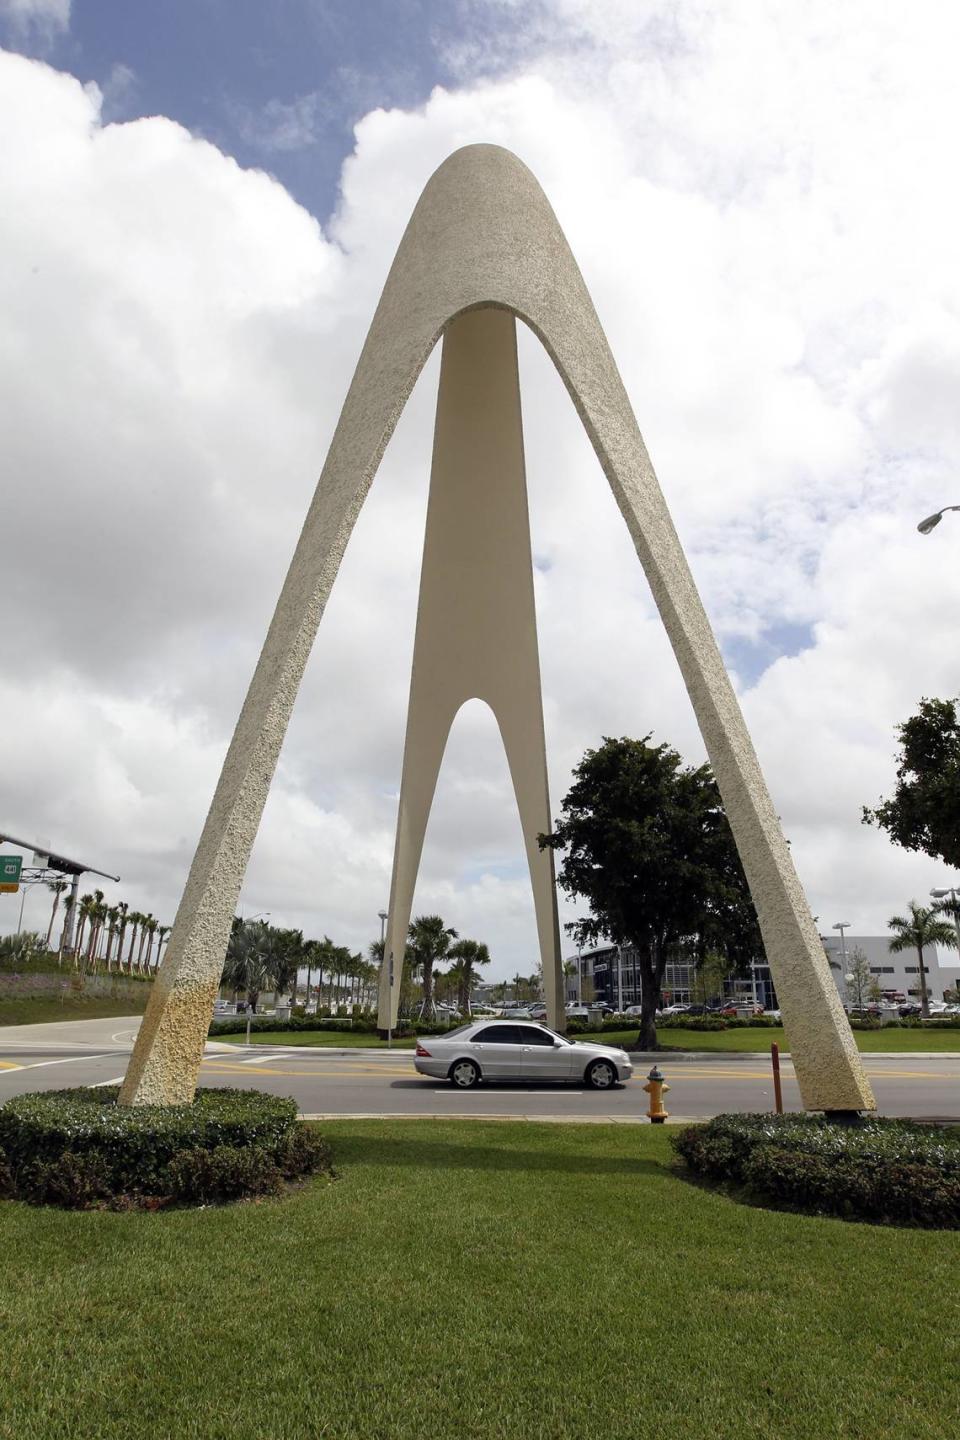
x: 890, y: 1171
x: 79, y: 1148
x: 263, y: 1024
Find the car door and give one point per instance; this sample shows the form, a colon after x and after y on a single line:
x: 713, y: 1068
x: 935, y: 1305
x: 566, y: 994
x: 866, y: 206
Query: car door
x: 499, y: 1052
x: 542, y: 1060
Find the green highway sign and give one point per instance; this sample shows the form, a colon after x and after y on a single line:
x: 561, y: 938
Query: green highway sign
x: 10, y: 873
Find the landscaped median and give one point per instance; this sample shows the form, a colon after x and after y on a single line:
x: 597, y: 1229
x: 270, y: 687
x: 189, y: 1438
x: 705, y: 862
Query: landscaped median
x: 891, y: 1171
x: 483, y: 1280
x: 932, y: 1039
x: 80, y: 1149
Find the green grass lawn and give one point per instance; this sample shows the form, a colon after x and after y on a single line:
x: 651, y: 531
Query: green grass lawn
x: 470, y: 1281
x: 36, y: 1009
x: 750, y: 1040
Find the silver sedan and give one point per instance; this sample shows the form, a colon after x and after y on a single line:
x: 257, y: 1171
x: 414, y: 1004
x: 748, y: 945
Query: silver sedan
x: 518, y: 1050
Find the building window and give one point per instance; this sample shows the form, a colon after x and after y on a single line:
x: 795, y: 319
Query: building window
x: 912, y: 970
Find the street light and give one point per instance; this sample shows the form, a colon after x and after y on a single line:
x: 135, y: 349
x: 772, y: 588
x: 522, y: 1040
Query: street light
x: 842, y: 925
x: 932, y: 521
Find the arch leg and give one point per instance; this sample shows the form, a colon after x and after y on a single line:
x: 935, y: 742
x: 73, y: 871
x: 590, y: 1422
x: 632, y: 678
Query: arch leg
x: 476, y: 621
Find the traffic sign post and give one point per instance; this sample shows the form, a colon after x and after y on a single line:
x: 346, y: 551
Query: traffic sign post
x: 10, y: 866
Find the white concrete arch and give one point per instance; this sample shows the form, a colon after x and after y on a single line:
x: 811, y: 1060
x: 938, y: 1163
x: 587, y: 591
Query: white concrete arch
x: 483, y: 234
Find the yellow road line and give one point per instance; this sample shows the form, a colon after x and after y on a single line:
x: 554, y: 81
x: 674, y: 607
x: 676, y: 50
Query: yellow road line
x: 9, y: 1065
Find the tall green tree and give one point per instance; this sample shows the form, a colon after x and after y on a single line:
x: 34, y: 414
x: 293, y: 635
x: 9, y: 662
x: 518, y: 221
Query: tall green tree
x: 924, y: 812
x: 920, y: 927
x: 429, y: 942
x: 647, y: 845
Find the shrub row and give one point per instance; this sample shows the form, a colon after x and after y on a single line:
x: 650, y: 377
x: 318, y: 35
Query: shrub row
x: 79, y: 1148
x: 341, y: 1024
x: 883, y: 1170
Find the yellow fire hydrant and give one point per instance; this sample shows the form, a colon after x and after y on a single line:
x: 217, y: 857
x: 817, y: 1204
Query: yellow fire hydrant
x: 656, y: 1087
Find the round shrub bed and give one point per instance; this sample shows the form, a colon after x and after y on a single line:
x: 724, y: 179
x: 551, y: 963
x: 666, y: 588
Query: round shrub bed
x: 890, y: 1171
x: 80, y: 1149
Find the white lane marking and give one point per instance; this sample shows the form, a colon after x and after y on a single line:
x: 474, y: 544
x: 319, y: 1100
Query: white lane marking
x: 567, y: 1094
x: 70, y: 1060
x: 117, y: 1081
x: 122, y: 1036
x: 259, y: 1059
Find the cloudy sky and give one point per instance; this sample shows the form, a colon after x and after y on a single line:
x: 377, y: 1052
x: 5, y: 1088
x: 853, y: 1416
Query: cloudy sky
x: 201, y: 201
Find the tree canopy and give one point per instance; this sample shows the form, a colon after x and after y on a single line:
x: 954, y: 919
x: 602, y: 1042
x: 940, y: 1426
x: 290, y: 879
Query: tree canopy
x: 924, y: 812
x: 647, y: 845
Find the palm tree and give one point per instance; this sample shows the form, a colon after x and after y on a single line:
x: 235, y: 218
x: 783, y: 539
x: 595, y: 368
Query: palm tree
x: 122, y: 913
x: 113, y: 915
x: 68, y: 905
x: 467, y: 954
x: 57, y: 887
x: 429, y: 942
x: 162, y: 932
x: 915, y: 931
x: 151, y: 929
x: 246, y: 966
x: 135, y: 919
x: 144, y: 932
x: 84, y: 906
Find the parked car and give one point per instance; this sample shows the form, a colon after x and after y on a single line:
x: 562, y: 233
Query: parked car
x: 674, y: 1009
x: 518, y: 1051
x: 537, y: 1012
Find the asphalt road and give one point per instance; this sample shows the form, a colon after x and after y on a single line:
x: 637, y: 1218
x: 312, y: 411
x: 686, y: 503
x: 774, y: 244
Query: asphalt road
x: 380, y: 1082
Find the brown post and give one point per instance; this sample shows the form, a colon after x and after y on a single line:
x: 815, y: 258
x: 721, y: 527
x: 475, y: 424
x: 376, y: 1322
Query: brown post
x: 777, y: 1092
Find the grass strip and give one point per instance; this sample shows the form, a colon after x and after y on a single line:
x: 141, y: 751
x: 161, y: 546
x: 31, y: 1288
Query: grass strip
x: 746, y: 1041
x: 476, y: 1280
x: 43, y: 1009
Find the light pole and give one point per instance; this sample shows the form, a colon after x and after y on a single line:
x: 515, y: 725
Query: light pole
x: 619, y: 979
x: 932, y: 521
x: 842, y: 925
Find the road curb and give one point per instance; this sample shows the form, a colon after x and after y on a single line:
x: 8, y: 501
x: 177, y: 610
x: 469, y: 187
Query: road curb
x: 531, y: 1119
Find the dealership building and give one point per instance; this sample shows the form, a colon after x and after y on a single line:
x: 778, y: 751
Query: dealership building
x: 611, y: 974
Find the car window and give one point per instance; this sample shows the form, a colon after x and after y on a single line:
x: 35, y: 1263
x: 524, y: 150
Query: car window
x: 460, y: 1030
x: 498, y: 1035
x: 533, y: 1035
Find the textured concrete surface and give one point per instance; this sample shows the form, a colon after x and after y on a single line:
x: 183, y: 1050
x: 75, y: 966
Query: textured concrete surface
x: 483, y: 234
x: 476, y: 632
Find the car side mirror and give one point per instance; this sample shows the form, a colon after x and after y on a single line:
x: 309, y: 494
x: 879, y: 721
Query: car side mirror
x: 558, y: 1044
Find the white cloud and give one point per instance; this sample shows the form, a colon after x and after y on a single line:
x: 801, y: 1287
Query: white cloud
x: 761, y: 204
x: 43, y: 19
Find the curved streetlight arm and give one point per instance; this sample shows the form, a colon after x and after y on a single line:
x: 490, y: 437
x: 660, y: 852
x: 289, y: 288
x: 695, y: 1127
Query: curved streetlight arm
x: 932, y: 521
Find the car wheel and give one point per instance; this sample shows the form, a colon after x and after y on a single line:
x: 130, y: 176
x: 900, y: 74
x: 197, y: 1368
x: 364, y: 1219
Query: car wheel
x: 601, y: 1075
x: 464, y: 1074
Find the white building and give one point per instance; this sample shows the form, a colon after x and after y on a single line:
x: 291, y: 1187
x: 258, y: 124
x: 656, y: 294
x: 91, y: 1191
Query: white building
x: 893, y: 972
